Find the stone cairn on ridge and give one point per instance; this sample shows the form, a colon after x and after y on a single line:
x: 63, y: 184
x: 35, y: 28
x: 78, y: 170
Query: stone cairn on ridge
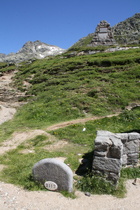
x: 103, y: 35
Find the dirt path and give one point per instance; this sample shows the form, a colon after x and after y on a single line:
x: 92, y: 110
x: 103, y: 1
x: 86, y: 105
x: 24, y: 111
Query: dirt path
x: 8, y: 97
x: 72, y: 122
x: 14, y: 198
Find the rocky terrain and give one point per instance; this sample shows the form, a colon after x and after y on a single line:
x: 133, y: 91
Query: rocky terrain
x: 128, y: 31
x: 31, y: 50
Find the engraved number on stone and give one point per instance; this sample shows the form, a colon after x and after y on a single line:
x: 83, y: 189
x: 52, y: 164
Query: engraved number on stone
x: 50, y: 185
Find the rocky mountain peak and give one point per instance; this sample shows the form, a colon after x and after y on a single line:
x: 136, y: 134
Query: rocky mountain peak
x: 31, y: 50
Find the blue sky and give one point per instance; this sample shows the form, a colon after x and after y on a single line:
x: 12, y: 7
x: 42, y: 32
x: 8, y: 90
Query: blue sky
x: 57, y: 22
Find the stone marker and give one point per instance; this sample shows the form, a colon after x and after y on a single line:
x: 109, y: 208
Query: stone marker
x: 53, y: 174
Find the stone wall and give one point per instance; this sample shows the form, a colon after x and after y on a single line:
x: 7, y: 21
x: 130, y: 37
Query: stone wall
x: 113, y: 151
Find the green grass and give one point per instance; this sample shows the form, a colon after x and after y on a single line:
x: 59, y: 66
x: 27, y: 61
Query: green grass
x: 98, y: 185
x: 69, y: 88
x: 63, y: 89
x: 5, y: 68
x: 130, y: 173
x: 19, y: 170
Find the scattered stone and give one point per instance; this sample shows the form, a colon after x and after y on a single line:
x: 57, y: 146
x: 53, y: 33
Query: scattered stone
x: 52, y: 172
x: 135, y: 180
x: 87, y: 194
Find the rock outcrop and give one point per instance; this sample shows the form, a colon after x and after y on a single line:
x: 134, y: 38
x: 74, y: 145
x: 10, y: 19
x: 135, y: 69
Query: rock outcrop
x: 128, y: 31
x: 31, y: 50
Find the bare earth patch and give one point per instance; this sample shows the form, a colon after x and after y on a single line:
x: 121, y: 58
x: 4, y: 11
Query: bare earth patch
x: 18, y: 138
x: 6, y: 113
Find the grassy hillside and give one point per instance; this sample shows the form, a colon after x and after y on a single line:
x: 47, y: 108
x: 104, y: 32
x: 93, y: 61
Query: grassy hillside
x: 67, y: 88
x: 63, y: 88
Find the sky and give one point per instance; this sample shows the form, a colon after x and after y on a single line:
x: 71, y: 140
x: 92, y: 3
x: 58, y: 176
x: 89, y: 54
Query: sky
x: 57, y: 22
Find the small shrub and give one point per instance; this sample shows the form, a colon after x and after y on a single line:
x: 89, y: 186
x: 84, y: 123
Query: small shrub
x: 92, y: 93
x: 98, y: 185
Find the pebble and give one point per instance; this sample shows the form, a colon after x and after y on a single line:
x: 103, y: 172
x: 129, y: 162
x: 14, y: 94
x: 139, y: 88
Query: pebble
x: 87, y: 194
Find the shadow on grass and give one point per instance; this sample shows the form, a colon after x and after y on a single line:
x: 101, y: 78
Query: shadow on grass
x: 131, y: 131
x: 86, y: 164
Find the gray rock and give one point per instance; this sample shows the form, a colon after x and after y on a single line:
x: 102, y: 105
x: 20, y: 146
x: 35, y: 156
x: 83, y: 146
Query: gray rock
x: 102, y: 141
x: 107, y: 164
x: 51, y: 169
x: 132, y: 146
x: 133, y: 136
x: 116, y: 150
x: 87, y: 194
x: 128, y: 31
x: 113, y: 177
x: 2, y: 55
x: 124, y: 160
x: 123, y: 136
x: 100, y: 153
x: 132, y: 159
